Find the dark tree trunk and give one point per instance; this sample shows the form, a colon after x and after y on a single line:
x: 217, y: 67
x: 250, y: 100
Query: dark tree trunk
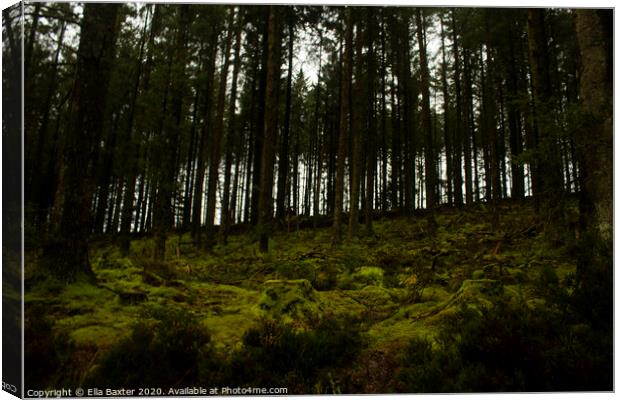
x: 384, y: 146
x: 458, y: 118
x: 202, y: 142
x: 551, y: 182
x: 163, y: 217
x: 67, y: 246
x: 345, y: 90
x: 216, y: 139
x: 595, y: 139
x: 190, y: 165
x: 429, y: 151
x: 34, y: 190
x: 283, y: 166
x: 514, y: 123
x: 490, y: 111
x: 260, y: 123
x: 132, y: 143
x: 371, y: 149
x: 265, y: 204
x: 227, y: 211
x: 447, y: 128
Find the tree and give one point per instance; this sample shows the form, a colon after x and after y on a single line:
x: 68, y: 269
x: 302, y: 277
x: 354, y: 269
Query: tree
x: 458, y: 125
x: 210, y: 52
x: 369, y: 134
x: 283, y: 166
x: 345, y: 93
x: 595, y: 140
x: 429, y: 153
x: 549, y: 176
x: 265, y: 205
x: 169, y: 134
x: 357, y: 118
x: 218, y: 129
x: 67, y: 246
x: 133, y: 145
x: 227, y: 210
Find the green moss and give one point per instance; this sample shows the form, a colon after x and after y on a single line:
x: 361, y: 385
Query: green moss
x: 369, y: 276
x: 290, y: 299
x: 398, y: 331
x: 227, y: 330
x: 96, y: 335
x: 305, y: 279
x: 84, y: 298
x: 477, y: 274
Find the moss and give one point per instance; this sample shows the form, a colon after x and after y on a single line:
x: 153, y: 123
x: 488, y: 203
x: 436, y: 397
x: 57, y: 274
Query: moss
x: 84, y: 298
x: 399, y: 331
x: 368, y: 276
x: 375, y: 296
x: 99, y: 328
x: 97, y: 335
x: 227, y: 330
x: 305, y: 279
x: 289, y: 299
x: 477, y: 274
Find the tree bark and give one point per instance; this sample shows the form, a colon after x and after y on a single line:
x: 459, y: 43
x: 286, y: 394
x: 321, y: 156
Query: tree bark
x: 163, y: 218
x: 345, y: 89
x: 202, y: 142
x: 595, y: 138
x: 265, y: 204
x: 551, y: 197
x: 227, y: 211
x: 67, y: 246
x: 216, y: 138
x: 429, y: 151
x: 283, y: 166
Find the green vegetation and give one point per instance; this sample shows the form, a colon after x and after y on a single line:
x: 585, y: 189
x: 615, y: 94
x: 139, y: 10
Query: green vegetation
x: 420, y: 199
x: 467, y: 308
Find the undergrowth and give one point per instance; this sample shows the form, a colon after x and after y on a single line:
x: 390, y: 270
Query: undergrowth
x: 463, y: 308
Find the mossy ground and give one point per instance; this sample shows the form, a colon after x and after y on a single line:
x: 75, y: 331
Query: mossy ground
x: 399, y: 284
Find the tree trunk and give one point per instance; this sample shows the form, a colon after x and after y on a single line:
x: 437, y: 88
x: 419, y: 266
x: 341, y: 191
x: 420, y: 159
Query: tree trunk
x: 67, y: 246
x: 345, y: 90
x: 163, y: 217
x: 230, y: 138
x: 447, y: 129
x: 265, y: 204
x: 371, y: 149
x: 216, y: 138
x: 468, y: 129
x: 260, y: 122
x: 551, y: 197
x: 202, y: 142
x: 595, y: 138
x: 132, y: 143
x: 429, y: 152
x: 283, y: 166
x: 458, y: 120
x: 514, y: 123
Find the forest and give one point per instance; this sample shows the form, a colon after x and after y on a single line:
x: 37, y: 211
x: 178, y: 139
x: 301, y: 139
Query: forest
x: 322, y: 199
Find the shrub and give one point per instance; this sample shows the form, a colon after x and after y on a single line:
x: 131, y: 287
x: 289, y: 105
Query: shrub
x: 507, y: 347
x: 40, y: 355
x: 164, y: 350
x: 417, y: 279
x: 276, y: 354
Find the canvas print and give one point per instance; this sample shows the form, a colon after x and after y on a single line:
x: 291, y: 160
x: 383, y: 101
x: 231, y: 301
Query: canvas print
x: 233, y: 199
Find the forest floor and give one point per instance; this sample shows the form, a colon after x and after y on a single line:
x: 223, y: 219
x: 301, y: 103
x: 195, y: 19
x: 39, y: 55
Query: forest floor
x: 399, y: 284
